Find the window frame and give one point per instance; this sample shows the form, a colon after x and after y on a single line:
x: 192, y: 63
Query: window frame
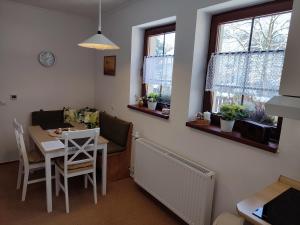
x: 153, y: 31
x: 265, y: 9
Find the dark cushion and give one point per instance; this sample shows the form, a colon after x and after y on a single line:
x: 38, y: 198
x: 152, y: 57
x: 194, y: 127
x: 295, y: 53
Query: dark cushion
x: 114, y: 148
x: 114, y: 129
x: 49, y: 119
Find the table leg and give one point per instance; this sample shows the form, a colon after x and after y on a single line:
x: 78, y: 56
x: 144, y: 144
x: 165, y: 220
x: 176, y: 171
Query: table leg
x: 48, y: 183
x: 104, y: 168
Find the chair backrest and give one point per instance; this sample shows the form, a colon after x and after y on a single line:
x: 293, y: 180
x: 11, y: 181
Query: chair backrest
x: 19, y: 133
x: 83, y: 145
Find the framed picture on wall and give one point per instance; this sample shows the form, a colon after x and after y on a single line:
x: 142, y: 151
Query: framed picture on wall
x: 110, y: 65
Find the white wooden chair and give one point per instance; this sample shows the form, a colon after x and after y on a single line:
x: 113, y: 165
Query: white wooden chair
x: 81, y: 162
x: 28, y: 161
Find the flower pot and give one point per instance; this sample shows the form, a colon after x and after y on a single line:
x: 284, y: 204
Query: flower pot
x: 152, y: 105
x: 257, y: 132
x: 227, y: 126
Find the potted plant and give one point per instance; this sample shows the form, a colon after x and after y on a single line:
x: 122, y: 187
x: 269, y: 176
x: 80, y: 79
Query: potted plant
x: 259, y: 115
x: 229, y: 113
x: 260, y: 127
x: 152, y: 101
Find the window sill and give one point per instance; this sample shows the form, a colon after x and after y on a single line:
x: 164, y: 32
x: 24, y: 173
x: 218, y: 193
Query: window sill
x: 149, y: 111
x: 234, y: 136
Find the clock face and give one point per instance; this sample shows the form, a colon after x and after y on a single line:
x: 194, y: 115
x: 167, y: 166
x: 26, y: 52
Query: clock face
x: 46, y: 58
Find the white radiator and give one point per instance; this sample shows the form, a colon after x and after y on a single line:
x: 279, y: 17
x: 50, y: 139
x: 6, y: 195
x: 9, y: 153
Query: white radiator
x: 183, y: 186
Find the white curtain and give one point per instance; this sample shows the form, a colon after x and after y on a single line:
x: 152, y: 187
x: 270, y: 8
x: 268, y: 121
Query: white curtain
x: 158, y: 70
x: 246, y: 73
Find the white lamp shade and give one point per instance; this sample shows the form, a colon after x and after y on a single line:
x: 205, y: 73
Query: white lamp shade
x: 99, y: 42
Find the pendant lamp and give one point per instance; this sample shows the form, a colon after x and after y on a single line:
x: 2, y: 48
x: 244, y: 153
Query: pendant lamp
x: 99, y: 41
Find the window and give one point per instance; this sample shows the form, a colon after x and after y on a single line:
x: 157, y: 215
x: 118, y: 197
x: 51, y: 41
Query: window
x: 246, y: 53
x: 246, y: 56
x: 247, y: 64
x: 158, y: 63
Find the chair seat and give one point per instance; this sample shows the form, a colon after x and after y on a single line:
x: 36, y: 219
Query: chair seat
x: 60, y: 162
x: 35, y: 157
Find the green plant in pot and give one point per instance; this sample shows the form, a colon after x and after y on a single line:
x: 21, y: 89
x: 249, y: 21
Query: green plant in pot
x: 152, y: 100
x: 259, y: 115
x: 229, y: 113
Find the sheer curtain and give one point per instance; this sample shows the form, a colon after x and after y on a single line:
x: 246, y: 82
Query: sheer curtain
x: 158, y: 70
x: 246, y: 73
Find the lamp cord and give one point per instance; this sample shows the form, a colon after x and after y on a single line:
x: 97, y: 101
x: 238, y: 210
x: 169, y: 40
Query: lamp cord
x: 100, y: 25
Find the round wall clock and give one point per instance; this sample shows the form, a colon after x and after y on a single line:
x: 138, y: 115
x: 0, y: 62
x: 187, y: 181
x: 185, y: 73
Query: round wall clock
x: 46, y: 58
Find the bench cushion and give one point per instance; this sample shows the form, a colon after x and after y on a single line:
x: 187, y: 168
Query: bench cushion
x: 70, y: 115
x: 114, y: 129
x: 49, y: 119
x: 114, y: 148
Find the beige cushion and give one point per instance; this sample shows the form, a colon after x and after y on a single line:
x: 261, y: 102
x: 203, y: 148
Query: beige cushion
x: 228, y: 219
x: 72, y: 168
x: 35, y: 157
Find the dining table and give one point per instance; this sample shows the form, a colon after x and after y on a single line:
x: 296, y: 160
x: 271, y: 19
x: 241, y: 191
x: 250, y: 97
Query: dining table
x: 248, y: 206
x: 38, y: 136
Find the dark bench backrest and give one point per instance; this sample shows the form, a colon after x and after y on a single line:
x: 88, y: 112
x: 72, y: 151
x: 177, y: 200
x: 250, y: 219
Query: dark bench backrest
x: 114, y: 129
x: 47, y: 118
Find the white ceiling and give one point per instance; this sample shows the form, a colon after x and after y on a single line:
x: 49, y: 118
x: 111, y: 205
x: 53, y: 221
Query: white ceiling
x: 82, y: 7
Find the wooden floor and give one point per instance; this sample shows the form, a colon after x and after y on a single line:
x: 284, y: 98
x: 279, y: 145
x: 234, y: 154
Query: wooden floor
x: 125, y: 204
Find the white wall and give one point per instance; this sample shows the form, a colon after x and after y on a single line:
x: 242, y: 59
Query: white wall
x: 25, y: 31
x: 291, y: 81
x: 241, y: 170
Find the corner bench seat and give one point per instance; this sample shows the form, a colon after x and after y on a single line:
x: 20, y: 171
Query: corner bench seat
x: 114, y: 148
x: 117, y: 131
x: 119, y: 134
